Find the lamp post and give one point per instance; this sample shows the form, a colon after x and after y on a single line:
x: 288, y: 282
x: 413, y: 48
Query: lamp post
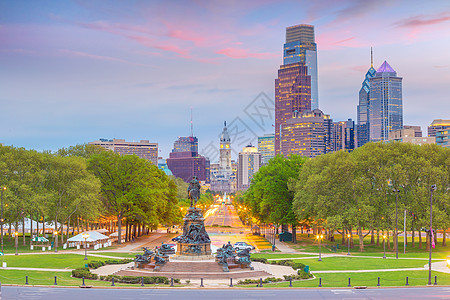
x: 85, y: 237
x: 433, y: 188
x: 55, y: 234
x: 320, y: 237
x: 3, y: 188
x: 348, y: 242
x: 384, y: 245
x: 16, y: 235
x: 396, y: 222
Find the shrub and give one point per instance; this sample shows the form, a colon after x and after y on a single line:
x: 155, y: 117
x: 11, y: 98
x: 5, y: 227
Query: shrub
x: 261, y: 260
x: 137, y: 279
x: 83, y: 272
x: 96, y: 264
x: 288, y: 262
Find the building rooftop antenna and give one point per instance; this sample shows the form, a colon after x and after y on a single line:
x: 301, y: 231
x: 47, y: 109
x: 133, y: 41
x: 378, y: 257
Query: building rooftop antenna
x: 192, y: 125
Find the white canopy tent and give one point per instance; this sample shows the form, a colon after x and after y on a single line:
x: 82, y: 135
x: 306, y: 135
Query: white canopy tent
x: 95, y: 238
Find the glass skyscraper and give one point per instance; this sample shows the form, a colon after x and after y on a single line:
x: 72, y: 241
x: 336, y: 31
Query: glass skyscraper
x: 362, y: 129
x: 385, y: 103
x: 300, y: 47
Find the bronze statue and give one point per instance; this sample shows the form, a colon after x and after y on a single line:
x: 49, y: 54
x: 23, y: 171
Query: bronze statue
x: 194, y: 191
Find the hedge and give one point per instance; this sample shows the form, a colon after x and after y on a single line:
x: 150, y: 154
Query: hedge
x: 137, y: 279
x: 83, y: 272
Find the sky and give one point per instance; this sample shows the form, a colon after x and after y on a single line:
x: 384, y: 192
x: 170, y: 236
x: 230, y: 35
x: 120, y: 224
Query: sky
x: 72, y: 72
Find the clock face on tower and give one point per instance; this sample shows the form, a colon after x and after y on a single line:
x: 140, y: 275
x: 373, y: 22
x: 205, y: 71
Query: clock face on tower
x: 227, y: 146
x: 221, y: 146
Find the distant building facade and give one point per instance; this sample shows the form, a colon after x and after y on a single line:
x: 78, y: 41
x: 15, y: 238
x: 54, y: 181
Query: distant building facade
x: 417, y: 129
x: 343, y: 135
x: 307, y: 134
x: 248, y: 164
x: 143, y: 149
x: 410, y: 135
x: 443, y: 137
x: 266, y: 146
x: 185, y: 162
x: 385, y: 105
x: 436, y: 125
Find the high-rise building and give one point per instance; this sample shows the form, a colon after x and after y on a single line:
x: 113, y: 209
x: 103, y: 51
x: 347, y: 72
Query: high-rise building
x: 344, y: 135
x: 385, y: 104
x: 308, y: 134
x: 249, y: 163
x: 185, y: 162
x: 292, y: 93
x: 186, y: 143
x: 301, y: 47
x: 436, y: 125
x: 266, y: 146
x: 143, y: 149
x: 362, y: 128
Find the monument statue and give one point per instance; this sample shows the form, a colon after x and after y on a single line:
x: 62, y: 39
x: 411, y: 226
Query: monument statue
x: 194, y: 191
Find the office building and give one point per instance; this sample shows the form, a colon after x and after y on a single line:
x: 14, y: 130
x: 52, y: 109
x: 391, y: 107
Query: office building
x: 185, y: 162
x: 410, y: 135
x: 443, y: 137
x: 248, y: 165
x: 183, y: 144
x: 417, y: 129
x: 385, y: 104
x: 143, y: 149
x: 308, y: 134
x: 362, y: 128
x: 343, y: 135
x: 266, y: 146
x: 301, y: 47
x: 436, y: 125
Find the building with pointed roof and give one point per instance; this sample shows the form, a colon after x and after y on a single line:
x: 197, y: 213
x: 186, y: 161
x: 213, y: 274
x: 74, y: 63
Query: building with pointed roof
x: 385, y: 103
x: 362, y: 128
x: 223, y: 179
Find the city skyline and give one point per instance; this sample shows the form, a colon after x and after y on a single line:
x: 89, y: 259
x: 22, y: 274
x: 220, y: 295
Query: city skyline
x: 75, y: 72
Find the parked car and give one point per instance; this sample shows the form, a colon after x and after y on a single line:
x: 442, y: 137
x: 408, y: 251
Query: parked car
x: 243, y: 245
x: 176, y: 239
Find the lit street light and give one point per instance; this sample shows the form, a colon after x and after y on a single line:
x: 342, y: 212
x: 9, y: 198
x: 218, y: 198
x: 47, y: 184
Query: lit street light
x: 384, y: 245
x: 319, y: 237
x: 16, y: 234
x: 3, y: 188
x: 433, y: 188
x: 55, y: 234
x: 348, y: 239
x: 85, y: 237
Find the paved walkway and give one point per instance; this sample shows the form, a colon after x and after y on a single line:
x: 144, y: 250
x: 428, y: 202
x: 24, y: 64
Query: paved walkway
x: 37, y: 269
x: 368, y: 271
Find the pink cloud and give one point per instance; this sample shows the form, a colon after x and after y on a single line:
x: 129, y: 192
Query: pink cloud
x: 96, y: 57
x: 421, y: 20
x: 245, y: 53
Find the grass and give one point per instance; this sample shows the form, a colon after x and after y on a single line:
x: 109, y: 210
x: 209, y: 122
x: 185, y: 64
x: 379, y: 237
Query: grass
x: 49, y: 261
x: 275, y: 255
x: 360, y: 263
x: 398, y: 278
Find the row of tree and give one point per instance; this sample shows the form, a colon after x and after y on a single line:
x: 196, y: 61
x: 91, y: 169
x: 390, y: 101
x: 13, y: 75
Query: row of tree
x: 84, y: 184
x: 361, y: 190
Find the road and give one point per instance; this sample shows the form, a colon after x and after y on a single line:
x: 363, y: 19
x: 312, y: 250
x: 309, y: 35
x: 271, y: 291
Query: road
x: 35, y: 293
x: 222, y: 215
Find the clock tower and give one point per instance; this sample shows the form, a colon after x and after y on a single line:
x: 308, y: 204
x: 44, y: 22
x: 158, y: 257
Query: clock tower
x: 225, y: 151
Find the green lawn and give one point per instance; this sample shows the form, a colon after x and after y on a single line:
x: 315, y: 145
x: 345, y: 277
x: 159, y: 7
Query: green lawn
x: 278, y: 255
x: 48, y: 278
x: 360, y: 263
x: 416, y: 278
x: 50, y: 261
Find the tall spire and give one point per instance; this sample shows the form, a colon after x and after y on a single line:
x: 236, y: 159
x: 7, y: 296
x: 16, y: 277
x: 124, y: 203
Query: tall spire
x: 371, y: 57
x: 192, y: 124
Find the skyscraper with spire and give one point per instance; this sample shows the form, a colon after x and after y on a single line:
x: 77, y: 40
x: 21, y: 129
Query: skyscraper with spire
x: 385, y: 103
x: 362, y: 129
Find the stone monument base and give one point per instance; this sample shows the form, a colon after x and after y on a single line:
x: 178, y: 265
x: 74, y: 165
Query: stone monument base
x: 193, y: 249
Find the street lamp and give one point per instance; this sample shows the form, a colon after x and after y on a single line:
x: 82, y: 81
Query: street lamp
x: 274, y: 238
x: 396, y: 222
x: 16, y: 234
x: 85, y: 237
x: 384, y: 245
x: 433, y: 188
x: 348, y: 239
x: 55, y: 234
x: 319, y: 237
x: 3, y: 188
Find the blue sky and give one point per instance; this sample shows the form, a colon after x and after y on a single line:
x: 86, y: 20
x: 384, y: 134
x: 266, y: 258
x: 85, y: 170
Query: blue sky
x: 76, y: 71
